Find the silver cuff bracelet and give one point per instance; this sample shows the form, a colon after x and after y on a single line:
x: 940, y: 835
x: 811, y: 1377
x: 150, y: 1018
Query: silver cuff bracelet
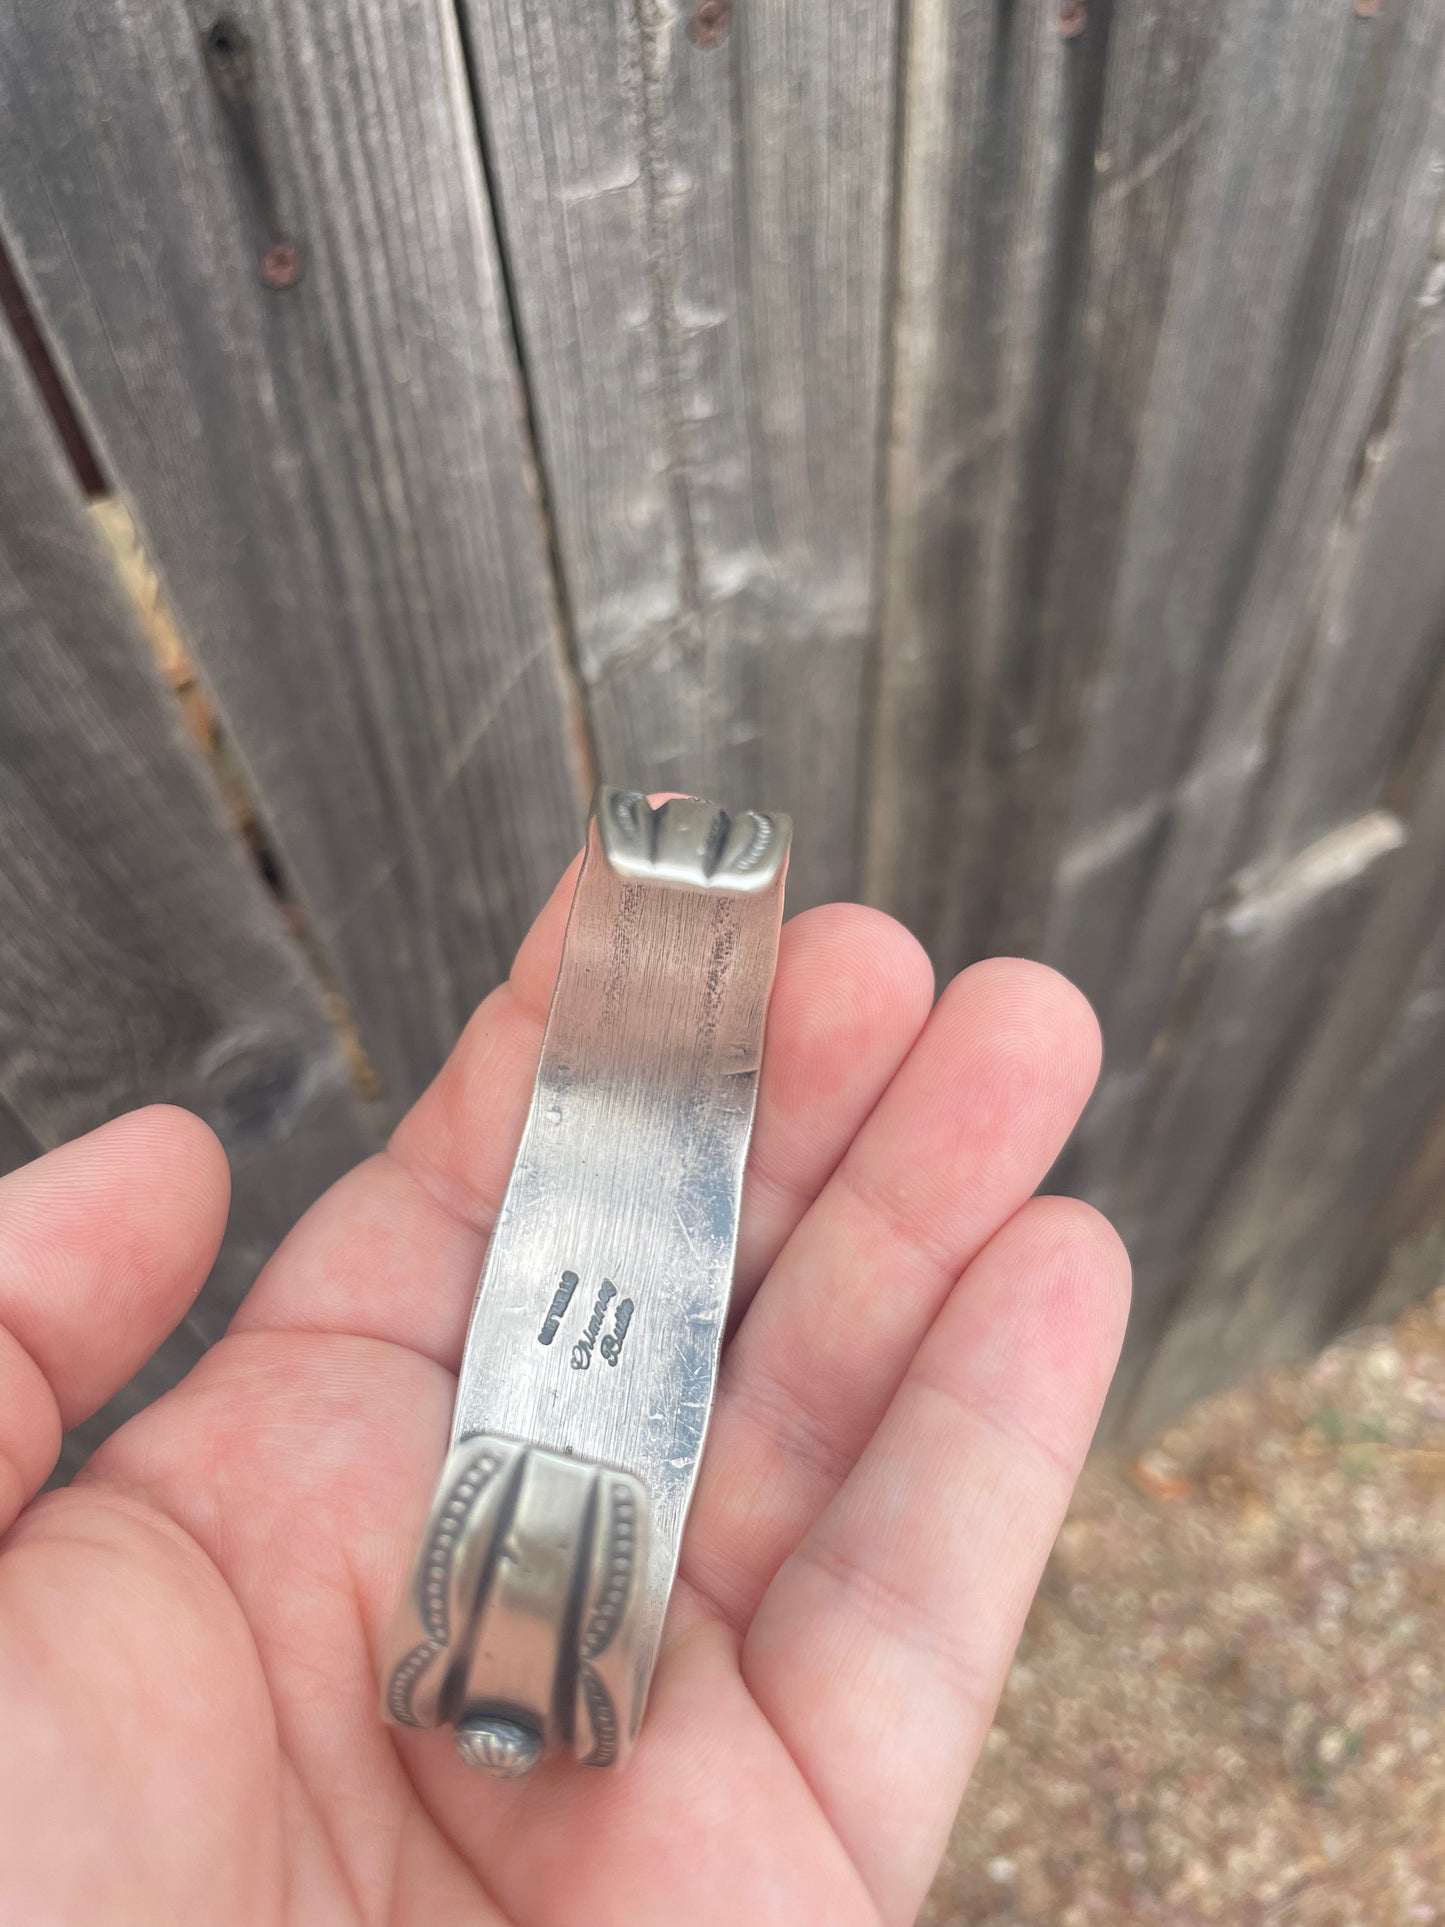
x: 534, y: 1609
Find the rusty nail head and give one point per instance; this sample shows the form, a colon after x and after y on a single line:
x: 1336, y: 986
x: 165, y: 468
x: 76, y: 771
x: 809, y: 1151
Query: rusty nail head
x: 1367, y: 9
x: 709, y: 24
x: 281, y: 265
x: 1073, y: 18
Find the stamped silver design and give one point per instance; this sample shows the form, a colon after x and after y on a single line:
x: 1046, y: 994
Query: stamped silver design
x: 499, y: 1746
x: 619, y: 1561
x: 603, y: 1717
x: 445, y: 1527
x: 561, y: 1299
x: 527, y: 1607
x: 536, y: 1603
x: 691, y: 845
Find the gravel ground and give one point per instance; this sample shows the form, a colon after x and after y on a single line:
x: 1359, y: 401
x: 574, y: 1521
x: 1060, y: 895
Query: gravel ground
x: 1229, y: 1702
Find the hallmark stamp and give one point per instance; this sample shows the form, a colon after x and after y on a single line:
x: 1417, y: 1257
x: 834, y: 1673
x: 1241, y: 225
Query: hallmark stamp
x: 611, y: 1342
x: 594, y: 1337
x: 561, y: 1299
x: 582, y: 1350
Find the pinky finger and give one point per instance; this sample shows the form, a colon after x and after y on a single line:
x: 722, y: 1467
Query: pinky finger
x: 880, y: 1649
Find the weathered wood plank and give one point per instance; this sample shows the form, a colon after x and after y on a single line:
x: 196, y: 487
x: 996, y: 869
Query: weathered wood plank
x: 1140, y: 339
x: 1302, y: 1246
x: 1305, y: 238
x: 1325, y: 1185
x: 1145, y: 274
x: 1044, y: 183
x: 1151, y: 286
x: 333, y: 482
x: 140, y: 957
x: 697, y: 230
x: 1269, y: 982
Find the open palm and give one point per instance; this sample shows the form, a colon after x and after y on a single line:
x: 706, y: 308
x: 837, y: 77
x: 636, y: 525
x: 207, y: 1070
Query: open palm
x: 188, y: 1635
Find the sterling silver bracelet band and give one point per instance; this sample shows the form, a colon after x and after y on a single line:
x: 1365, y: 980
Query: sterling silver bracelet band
x: 534, y: 1609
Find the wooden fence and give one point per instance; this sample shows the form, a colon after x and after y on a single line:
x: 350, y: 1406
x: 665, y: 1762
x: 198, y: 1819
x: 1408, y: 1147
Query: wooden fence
x: 1008, y: 434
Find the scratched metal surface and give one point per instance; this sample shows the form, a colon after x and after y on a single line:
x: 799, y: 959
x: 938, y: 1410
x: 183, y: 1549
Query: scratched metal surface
x: 628, y: 1177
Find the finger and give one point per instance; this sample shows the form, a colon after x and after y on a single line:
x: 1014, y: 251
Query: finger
x: 104, y: 1244
x: 853, y: 990
x: 881, y: 1647
x: 395, y: 1249
x: 965, y: 1133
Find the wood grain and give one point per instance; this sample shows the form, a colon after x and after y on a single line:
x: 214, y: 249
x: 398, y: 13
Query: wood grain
x: 1346, y: 1169
x: 1303, y: 245
x: 1318, y: 1185
x: 1043, y: 189
x: 698, y: 241
x: 1302, y: 971
x: 140, y: 957
x: 1155, y: 296
x: 333, y: 482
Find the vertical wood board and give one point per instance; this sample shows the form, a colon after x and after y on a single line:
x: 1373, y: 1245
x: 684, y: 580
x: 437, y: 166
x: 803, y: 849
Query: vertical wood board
x: 1305, y: 241
x: 1145, y: 701
x: 333, y: 481
x: 1292, y: 1250
x: 697, y: 232
x: 140, y: 958
x: 1043, y: 186
x: 1342, y: 821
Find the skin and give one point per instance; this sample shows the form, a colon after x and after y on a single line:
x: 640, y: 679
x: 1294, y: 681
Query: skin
x: 189, y: 1633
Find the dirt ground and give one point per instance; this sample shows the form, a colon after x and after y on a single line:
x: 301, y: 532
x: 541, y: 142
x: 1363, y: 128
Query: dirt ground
x: 1229, y: 1703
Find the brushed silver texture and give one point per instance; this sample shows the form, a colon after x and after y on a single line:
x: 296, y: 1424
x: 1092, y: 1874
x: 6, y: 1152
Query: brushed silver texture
x: 536, y: 1604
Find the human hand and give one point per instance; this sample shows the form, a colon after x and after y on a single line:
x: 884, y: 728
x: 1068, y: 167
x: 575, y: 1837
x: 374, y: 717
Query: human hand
x: 189, y: 1632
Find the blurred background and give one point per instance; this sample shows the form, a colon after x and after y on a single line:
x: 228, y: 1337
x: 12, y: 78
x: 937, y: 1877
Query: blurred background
x: 1007, y: 434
